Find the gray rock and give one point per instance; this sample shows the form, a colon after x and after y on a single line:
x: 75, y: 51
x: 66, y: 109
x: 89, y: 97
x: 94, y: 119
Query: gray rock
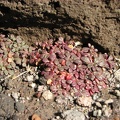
x: 15, y: 117
x: 20, y: 107
x: 73, y: 114
x: 6, y: 105
x: 2, y: 118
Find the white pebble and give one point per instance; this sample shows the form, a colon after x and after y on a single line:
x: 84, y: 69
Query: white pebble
x: 77, y: 43
x: 22, y: 99
x: 33, y: 85
x: 57, y: 117
x: 97, y: 113
x: 9, y: 94
x: 27, y: 98
x: 117, y: 85
x: 98, y: 104
x: 30, y: 78
x: 109, y: 101
x: 95, y: 96
x: 117, y: 93
x: 40, y: 88
x: 47, y: 95
x: 15, y: 95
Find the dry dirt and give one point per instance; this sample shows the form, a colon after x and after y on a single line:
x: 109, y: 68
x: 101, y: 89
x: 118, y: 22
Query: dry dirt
x: 89, y: 21
x: 92, y: 21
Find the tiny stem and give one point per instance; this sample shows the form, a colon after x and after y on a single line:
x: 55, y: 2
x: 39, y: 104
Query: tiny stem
x: 20, y: 74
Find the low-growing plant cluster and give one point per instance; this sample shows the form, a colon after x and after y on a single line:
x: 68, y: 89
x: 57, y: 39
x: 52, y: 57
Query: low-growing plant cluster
x: 65, y: 67
x: 68, y: 69
x: 13, y: 54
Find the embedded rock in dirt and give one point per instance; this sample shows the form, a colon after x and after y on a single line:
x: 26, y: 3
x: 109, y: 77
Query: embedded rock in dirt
x: 73, y: 115
x: 6, y: 106
x: 95, y: 22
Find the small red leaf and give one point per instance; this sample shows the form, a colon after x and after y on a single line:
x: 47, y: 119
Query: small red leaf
x: 63, y: 62
x: 68, y: 76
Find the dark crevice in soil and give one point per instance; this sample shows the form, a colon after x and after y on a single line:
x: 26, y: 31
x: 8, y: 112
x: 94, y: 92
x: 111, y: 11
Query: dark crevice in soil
x: 85, y: 42
x: 55, y: 4
x: 4, y: 32
x: 5, y: 9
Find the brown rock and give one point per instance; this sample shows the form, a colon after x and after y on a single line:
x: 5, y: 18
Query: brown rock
x: 35, y: 117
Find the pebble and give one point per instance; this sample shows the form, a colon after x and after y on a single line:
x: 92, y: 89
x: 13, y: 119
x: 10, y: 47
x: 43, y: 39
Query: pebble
x: 22, y: 99
x: 117, y: 74
x: 6, y: 105
x: 33, y: 85
x: 15, y: 95
x: 95, y: 96
x: 28, y: 98
x: 117, y: 93
x: 84, y: 101
x: 47, y: 95
x: 53, y: 119
x: 97, y: 113
x: 107, y: 111
x: 100, y: 100
x: 40, y: 88
x: 20, y: 107
x: 73, y: 114
x: 36, y: 77
x: 35, y: 117
x: 117, y: 85
x: 57, y: 117
x: 109, y: 101
x: 30, y: 78
x: 60, y: 100
x: 15, y: 117
x: 0, y: 88
x: 77, y: 43
x: 2, y: 118
x: 98, y: 104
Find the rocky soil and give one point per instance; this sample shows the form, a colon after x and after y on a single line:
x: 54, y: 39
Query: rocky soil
x: 95, y: 22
